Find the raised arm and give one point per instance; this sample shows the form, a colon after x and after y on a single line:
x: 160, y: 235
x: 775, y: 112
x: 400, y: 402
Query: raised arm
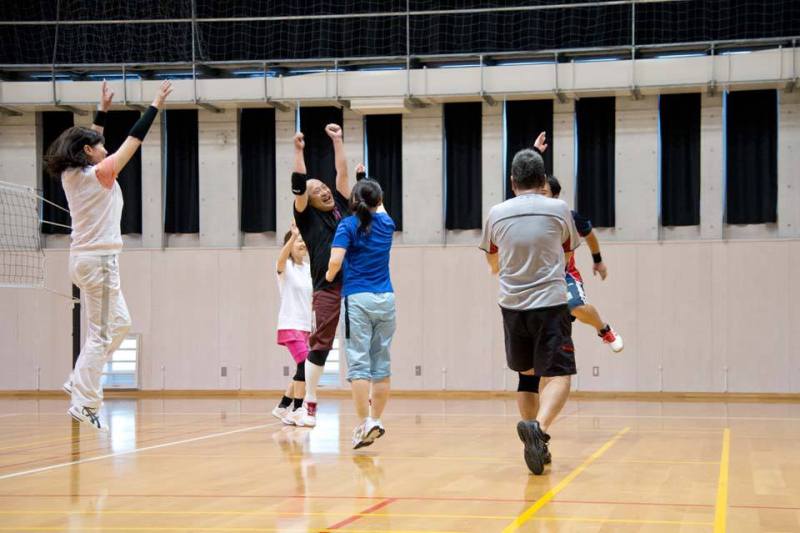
x: 299, y: 176
x: 335, y: 264
x: 106, y: 95
x: 594, y: 246
x: 139, y: 130
x: 334, y: 131
x: 286, y: 251
x: 540, y: 144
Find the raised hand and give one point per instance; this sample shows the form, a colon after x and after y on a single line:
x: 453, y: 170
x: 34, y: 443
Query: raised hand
x: 299, y: 141
x: 360, y: 169
x: 106, y: 95
x: 540, y: 143
x: 163, y: 92
x: 334, y: 131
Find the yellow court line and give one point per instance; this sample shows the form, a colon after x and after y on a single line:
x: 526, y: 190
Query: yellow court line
x: 550, y: 494
x: 721, y: 509
x: 619, y: 521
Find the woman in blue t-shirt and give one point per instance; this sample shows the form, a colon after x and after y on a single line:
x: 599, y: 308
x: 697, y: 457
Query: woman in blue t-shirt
x: 365, y: 239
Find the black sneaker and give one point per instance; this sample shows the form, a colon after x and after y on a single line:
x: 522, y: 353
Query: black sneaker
x: 535, y: 441
x: 547, y: 457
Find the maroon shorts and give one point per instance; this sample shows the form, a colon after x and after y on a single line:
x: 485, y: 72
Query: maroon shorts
x: 326, y: 305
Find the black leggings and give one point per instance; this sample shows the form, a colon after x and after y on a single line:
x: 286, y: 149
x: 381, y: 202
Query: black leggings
x: 300, y: 374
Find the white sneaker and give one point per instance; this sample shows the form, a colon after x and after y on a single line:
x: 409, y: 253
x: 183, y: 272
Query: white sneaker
x: 613, y: 339
x: 288, y: 418
x: 88, y: 416
x: 67, y: 387
x: 280, y: 412
x: 301, y: 418
x: 366, y: 433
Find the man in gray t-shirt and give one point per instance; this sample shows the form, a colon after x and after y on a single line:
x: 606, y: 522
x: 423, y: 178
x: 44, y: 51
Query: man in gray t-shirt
x: 526, y: 240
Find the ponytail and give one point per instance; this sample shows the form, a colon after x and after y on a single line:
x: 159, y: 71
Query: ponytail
x: 366, y: 196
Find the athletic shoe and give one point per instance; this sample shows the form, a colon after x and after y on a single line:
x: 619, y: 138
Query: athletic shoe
x: 535, y: 441
x: 612, y: 338
x: 302, y: 418
x: 366, y: 433
x: 547, y: 457
x: 88, y: 416
x: 280, y: 412
x: 288, y: 418
x: 67, y: 387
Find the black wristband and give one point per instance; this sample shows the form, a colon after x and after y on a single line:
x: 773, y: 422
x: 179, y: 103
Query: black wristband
x: 298, y: 183
x: 139, y: 130
x: 360, y: 176
x: 100, y: 119
x: 597, y: 258
x: 536, y: 149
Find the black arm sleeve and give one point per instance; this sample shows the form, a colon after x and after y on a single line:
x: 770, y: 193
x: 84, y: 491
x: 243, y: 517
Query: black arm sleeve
x: 100, y: 119
x: 139, y: 130
x: 298, y: 183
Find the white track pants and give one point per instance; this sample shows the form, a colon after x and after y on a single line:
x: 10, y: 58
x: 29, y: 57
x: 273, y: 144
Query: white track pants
x: 108, y: 323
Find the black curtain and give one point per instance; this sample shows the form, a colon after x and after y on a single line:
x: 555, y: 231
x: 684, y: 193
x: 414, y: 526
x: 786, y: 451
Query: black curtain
x: 53, y: 124
x: 257, y: 155
x: 680, y: 159
x: 182, y: 212
x: 385, y: 159
x: 525, y: 120
x: 595, y: 118
x: 462, y: 132
x: 320, y: 162
x: 118, y: 126
x: 752, y: 157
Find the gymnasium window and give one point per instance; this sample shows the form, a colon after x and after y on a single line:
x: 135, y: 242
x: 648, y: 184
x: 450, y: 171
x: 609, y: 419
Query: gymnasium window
x: 524, y: 121
x: 53, y: 124
x: 594, y: 119
x: 257, y: 156
x: 751, y: 148
x: 383, y: 139
x: 182, y: 206
x: 679, y: 123
x: 462, y: 162
x: 122, y: 369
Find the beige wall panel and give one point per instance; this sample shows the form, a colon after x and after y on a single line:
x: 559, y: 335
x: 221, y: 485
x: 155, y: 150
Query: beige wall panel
x: 651, y: 274
x: 136, y: 273
x: 757, y: 309
x: 789, y: 164
x: 492, y: 157
x: 423, y: 181
x: 19, y: 153
x: 686, y: 320
x: 793, y: 316
x: 185, y: 320
x: 408, y: 272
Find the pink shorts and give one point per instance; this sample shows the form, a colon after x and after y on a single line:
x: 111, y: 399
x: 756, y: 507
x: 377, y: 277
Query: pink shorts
x: 296, y: 341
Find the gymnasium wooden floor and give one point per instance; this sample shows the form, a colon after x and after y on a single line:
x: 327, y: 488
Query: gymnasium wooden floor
x: 444, y: 466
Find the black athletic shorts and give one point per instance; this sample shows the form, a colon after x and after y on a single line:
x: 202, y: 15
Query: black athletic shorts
x: 540, y: 339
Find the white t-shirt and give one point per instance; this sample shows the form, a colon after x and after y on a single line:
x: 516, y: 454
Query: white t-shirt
x: 95, y: 204
x: 295, y: 289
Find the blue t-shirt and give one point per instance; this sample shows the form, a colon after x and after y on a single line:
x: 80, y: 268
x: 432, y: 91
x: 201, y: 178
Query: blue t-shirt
x: 366, y: 264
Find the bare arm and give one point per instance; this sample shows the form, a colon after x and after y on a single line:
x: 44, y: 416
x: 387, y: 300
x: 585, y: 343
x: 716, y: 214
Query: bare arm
x: 594, y: 247
x: 494, y: 263
x: 334, y: 131
x: 106, y: 95
x: 300, y: 200
x: 131, y: 144
x: 286, y: 251
x: 335, y: 264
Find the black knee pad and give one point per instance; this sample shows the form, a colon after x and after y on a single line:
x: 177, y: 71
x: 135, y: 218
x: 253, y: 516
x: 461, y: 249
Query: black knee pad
x: 528, y: 383
x: 318, y: 357
x: 300, y: 375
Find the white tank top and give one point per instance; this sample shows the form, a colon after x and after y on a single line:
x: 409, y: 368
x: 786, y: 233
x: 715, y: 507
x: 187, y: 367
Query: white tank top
x: 95, y: 204
x: 295, y: 289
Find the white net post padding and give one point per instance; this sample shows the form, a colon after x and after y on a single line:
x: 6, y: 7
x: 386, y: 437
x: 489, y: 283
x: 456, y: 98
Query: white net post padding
x: 21, y: 255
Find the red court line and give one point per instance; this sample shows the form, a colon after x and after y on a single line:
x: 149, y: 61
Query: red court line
x: 392, y: 499
x: 349, y: 520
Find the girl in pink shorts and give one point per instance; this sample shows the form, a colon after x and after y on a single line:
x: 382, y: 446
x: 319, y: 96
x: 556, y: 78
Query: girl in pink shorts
x: 294, y: 321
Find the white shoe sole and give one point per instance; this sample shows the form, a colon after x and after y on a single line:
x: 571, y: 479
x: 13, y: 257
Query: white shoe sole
x: 83, y: 420
x: 67, y: 388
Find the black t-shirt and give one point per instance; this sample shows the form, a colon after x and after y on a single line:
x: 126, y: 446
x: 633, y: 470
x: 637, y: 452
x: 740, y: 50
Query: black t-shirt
x: 318, y: 228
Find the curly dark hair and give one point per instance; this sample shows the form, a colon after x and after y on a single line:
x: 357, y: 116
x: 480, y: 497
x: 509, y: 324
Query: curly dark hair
x: 67, y: 150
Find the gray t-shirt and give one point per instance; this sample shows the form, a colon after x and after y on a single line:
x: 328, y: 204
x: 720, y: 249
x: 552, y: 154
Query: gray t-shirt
x: 531, y: 233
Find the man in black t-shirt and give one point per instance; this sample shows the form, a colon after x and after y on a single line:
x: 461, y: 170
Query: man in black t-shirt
x: 317, y: 212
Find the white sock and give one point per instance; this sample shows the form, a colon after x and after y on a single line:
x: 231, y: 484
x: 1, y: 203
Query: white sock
x: 313, y: 375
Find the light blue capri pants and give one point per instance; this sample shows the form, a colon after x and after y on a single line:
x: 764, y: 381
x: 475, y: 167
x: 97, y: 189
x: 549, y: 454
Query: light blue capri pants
x: 369, y: 327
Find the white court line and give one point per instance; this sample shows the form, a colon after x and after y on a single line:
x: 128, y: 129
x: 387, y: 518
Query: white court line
x: 135, y: 450
x: 11, y: 414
